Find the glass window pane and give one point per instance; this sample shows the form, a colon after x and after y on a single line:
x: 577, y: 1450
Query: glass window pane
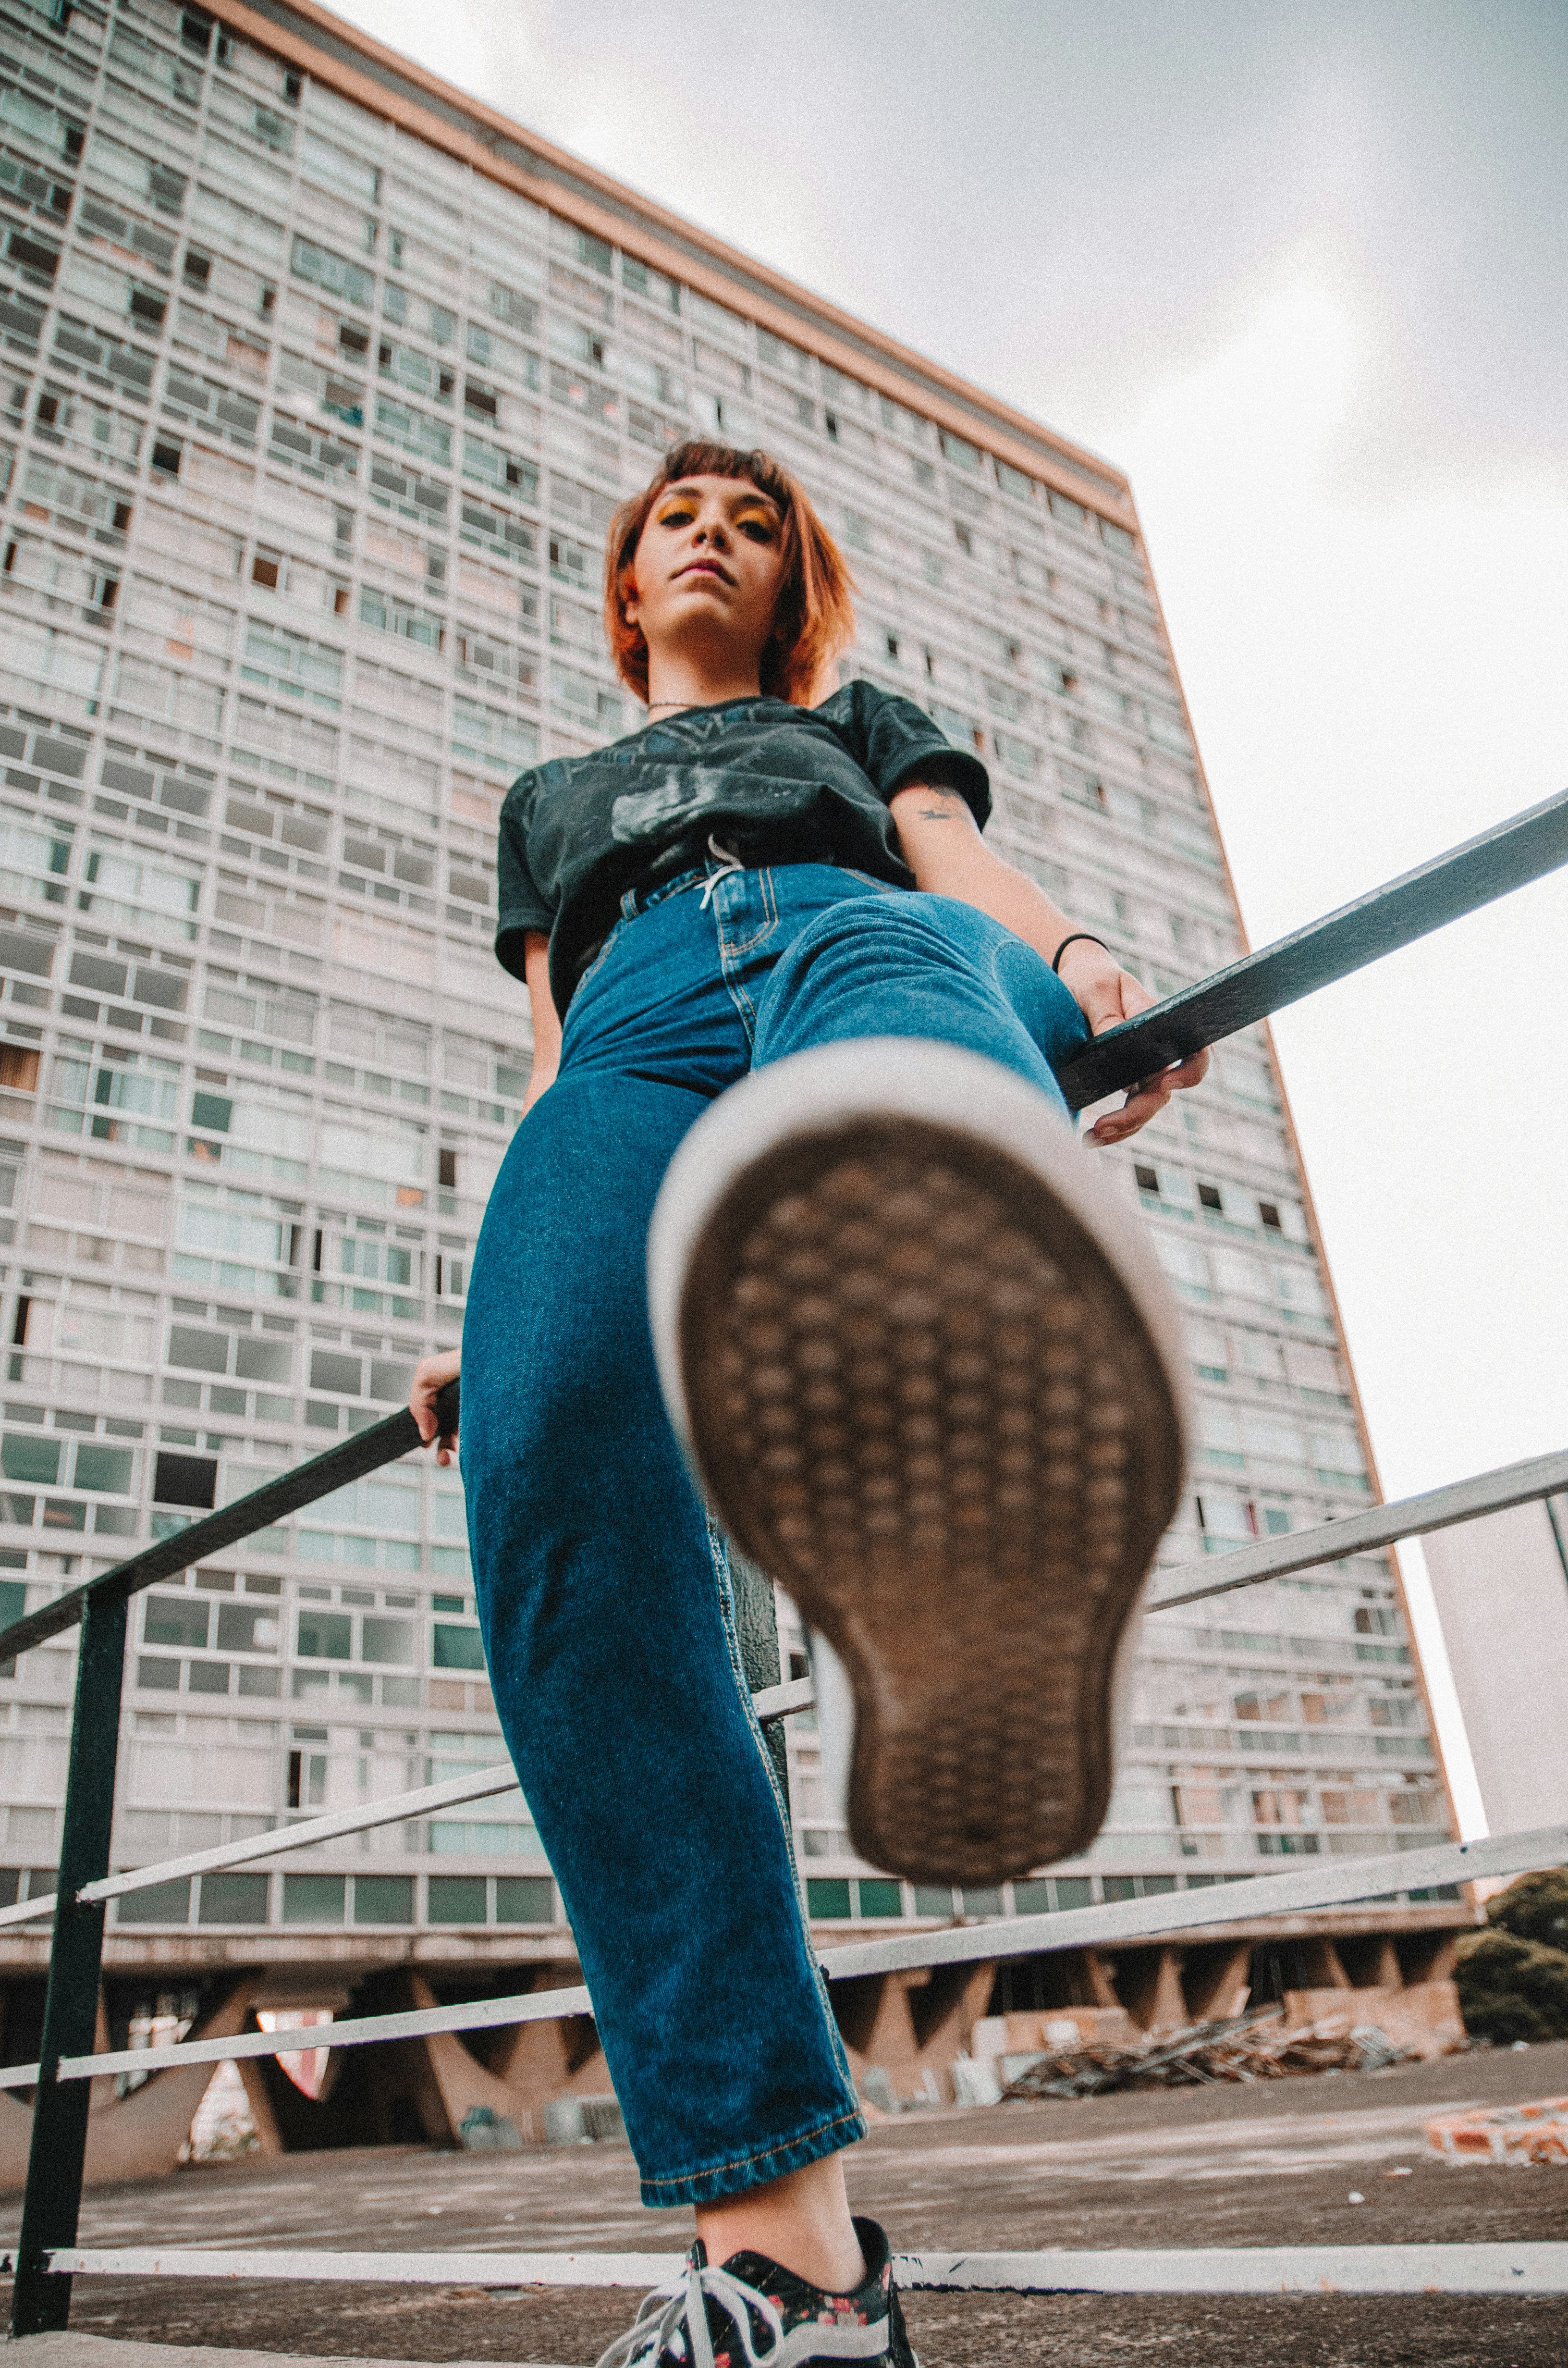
x: 232, y: 1899
x: 313, y: 1898
x: 456, y: 1899
x: 383, y: 1899
x: 161, y: 1902
x: 524, y: 1900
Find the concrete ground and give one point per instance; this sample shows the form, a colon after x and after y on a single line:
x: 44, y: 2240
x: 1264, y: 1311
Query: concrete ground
x: 1267, y: 2164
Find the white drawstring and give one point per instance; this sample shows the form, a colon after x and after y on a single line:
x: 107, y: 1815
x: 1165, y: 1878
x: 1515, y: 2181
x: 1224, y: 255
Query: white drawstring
x: 682, y: 2302
x: 729, y: 861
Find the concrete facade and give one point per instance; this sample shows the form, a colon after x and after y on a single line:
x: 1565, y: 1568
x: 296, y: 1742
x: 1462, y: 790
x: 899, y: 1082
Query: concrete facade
x: 318, y: 384
x: 1501, y: 1588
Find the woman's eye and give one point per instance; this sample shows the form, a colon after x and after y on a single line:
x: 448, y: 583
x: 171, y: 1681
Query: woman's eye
x: 759, y: 530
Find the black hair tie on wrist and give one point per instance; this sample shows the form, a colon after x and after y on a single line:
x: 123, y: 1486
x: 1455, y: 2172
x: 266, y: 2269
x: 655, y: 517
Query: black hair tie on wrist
x: 1079, y: 936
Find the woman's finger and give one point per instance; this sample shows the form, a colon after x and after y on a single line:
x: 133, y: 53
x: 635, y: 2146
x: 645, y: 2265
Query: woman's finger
x: 1144, y: 1103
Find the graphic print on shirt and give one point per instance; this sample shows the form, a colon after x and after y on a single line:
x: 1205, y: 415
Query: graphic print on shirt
x: 689, y: 791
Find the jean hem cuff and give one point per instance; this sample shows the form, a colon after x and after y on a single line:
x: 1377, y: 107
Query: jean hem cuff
x: 756, y: 2170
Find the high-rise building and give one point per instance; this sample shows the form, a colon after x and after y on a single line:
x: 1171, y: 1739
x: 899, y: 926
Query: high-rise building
x: 319, y: 382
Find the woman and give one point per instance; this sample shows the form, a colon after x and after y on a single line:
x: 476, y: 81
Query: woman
x: 917, y: 1352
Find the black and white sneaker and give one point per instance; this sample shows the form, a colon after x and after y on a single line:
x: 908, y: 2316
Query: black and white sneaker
x: 753, y: 2314
x: 930, y: 1374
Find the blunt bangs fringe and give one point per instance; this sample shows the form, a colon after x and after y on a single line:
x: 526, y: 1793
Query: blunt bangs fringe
x: 815, y: 618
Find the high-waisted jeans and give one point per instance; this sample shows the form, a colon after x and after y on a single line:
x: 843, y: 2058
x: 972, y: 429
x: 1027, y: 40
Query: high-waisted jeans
x: 604, y: 1587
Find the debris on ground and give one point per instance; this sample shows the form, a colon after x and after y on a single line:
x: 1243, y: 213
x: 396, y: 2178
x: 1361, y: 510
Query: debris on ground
x: 1524, y: 2135
x: 1259, y: 2045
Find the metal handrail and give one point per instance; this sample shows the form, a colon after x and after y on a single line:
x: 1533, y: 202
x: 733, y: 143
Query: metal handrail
x: 381, y: 1443
x: 1515, y: 2269
x: 1512, y: 853
x: 1326, y: 1882
x: 1487, y: 866
x: 1379, y: 1525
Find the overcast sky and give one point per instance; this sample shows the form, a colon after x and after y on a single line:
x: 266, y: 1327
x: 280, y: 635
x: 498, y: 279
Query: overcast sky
x: 1301, y: 269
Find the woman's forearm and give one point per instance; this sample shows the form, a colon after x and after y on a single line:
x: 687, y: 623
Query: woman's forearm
x: 949, y: 858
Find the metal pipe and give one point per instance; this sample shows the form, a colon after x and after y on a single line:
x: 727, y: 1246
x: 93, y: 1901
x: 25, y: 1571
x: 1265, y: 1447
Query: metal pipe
x: 40, y: 2300
x: 1379, y: 1525
x: 383, y: 1442
x: 1516, y: 2269
x: 1525, y: 847
x: 1325, y: 1883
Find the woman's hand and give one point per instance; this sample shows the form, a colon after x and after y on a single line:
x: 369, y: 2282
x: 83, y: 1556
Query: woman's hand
x: 431, y: 1374
x: 1106, y: 994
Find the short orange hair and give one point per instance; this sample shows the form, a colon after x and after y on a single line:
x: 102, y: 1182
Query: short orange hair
x: 815, y: 618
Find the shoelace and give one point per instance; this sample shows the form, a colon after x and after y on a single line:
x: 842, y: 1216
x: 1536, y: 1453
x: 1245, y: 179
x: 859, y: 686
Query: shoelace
x: 681, y: 2301
x: 728, y: 861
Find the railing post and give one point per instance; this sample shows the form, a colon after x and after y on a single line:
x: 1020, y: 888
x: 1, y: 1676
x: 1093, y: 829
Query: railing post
x: 756, y: 1631
x: 41, y: 2301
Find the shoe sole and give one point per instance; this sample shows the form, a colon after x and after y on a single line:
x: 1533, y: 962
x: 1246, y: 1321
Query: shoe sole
x: 930, y: 1376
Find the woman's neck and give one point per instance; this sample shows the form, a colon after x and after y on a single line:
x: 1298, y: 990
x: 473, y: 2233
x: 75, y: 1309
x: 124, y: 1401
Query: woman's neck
x: 676, y: 684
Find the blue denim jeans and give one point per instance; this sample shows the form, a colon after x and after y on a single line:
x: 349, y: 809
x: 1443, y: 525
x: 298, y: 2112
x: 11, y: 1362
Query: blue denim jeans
x: 603, y: 1587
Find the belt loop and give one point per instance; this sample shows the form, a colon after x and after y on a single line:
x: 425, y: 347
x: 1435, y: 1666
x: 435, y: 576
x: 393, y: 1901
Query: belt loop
x: 628, y: 905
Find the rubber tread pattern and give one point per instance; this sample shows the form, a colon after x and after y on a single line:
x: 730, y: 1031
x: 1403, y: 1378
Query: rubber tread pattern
x: 922, y: 1400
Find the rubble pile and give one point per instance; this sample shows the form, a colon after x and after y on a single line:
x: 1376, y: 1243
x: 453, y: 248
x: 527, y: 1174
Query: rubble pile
x: 1261, y: 2046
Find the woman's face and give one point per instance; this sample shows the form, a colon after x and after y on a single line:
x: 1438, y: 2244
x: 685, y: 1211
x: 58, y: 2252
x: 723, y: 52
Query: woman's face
x: 706, y: 572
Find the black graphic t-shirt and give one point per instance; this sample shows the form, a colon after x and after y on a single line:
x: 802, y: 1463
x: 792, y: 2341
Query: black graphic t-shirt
x: 576, y: 833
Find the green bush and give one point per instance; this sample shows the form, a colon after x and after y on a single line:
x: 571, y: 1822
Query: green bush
x: 1535, y: 1907
x: 1511, y: 1988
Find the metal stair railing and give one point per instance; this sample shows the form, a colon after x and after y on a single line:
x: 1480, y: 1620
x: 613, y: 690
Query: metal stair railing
x: 1380, y: 1525
x: 47, y: 2256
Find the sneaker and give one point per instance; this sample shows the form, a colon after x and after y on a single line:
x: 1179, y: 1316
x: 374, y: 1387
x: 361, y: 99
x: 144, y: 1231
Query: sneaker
x: 753, y: 2314
x: 927, y: 1367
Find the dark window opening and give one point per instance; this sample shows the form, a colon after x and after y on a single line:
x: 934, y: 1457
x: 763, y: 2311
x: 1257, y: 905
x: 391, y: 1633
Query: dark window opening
x: 1270, y: 1215
x: 1148, y: 1179
x: 1209, y: 1197
x: 265, y: 570
x: 447, y: 1168
x: 186, y: 1480
x: 166, y: 458
x: 48, y: 410
x: 197, y: 268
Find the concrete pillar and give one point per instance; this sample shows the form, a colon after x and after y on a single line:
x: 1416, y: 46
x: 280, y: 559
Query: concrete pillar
x: 1213, y: 1977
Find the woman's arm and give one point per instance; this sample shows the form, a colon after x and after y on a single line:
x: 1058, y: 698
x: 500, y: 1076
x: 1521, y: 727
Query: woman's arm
x: 944, y: 849
x: 545, y: 1020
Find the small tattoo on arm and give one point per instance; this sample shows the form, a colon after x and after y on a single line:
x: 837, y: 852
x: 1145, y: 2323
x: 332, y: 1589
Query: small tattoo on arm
x: 944, y: 805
